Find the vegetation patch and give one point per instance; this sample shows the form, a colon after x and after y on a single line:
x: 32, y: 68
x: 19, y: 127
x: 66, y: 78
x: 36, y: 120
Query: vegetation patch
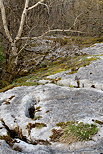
x: 40, y: 125
x: 30, y: 126
x: 47, y: 111
x: 8, y: 139
x: 71, y: 131
x: 71, y: 86
x: 38, y: 109
x: 43, y: 142
x: 98, y: 122
x: 61, y: 64
x: 16, y: 84
x: 36, y: 125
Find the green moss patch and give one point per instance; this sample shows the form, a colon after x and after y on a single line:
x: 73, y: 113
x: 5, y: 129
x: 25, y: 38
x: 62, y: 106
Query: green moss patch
x: 7, y: 88
x: 98, y: 122
x: 17, y: 84
x: 71, y: 131
x: 61, y: 64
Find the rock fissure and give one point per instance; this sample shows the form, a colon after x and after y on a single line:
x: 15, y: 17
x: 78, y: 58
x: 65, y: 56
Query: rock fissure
x: 16, y: 133
x: 13, y: 135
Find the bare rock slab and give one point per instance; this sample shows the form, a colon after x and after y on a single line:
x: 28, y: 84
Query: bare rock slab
x: 30, y: 113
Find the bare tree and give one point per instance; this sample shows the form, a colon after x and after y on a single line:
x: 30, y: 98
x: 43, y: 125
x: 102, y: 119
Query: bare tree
x: 16, y: 40
x: 13, y: 41
x: 20, y: 19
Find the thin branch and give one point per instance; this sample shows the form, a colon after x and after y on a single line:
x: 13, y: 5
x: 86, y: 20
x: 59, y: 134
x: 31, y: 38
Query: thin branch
x: 52, y: 30
x: 45, y: 6
x: 35, y: 5
x: 75, y: 21
x: 58, y: 30
x: 22, y: 20
x: 26, y: 43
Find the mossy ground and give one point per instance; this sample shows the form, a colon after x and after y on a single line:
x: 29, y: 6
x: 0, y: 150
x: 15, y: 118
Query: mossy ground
x: 71, y: 132
x: 61, y: 64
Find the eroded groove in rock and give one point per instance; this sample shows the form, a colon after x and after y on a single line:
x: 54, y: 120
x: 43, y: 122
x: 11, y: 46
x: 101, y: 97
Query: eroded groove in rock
x: 30, y: 108
x: 31, y: 112
x: 16, y: 133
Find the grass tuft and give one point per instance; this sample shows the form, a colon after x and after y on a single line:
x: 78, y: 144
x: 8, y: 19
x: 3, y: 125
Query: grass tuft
x: 73, y: 131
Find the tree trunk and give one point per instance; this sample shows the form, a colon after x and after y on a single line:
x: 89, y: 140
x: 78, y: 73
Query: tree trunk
x: 12, y: 65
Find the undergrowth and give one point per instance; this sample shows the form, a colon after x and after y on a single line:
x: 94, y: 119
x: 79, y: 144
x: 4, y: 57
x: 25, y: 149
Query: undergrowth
x: 61, y: 64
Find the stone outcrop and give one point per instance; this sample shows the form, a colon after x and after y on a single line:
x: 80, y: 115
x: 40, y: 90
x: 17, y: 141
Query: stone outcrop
x: 28, y: 115
x: 52, y: 104
x: 43, y: 51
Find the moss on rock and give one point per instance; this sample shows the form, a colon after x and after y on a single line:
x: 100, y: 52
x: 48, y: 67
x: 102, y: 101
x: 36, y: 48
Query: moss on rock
x: 72, y: 131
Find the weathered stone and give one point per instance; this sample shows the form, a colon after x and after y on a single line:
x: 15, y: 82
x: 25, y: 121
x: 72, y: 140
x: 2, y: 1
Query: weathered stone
x: 29, y: 114
x: 44, y: 81
x: 53, y: 104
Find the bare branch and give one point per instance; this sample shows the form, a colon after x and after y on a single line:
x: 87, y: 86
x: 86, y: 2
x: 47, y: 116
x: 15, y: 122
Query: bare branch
x: 26, y: 43
x: 52, y: 30
x: 22, y: 20
x: 26, y: 8
x: 5, y: 21
x: 76, y: 19
x: 58, y: 30
x: 45, y: 6
x: 35, y: 4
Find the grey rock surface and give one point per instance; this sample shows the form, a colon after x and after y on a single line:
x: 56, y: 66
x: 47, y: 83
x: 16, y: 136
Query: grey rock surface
x: 57, y: 104
x: 96, y: 49
x: 90, y: 75
x: 48, y: 104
